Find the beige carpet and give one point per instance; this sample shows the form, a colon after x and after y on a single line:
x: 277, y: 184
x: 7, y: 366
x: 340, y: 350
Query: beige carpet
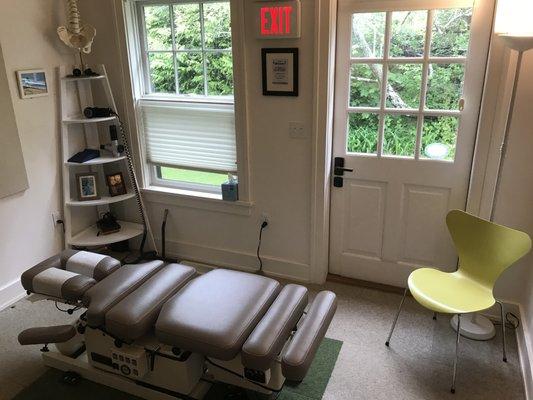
x: 418, y: 365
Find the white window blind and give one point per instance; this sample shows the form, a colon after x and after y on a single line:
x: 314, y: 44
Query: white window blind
x: 189, y: 135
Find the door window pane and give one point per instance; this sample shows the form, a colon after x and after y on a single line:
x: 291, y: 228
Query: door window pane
x: 219, y: 74
x: 408, y: 33
x: 362, y: 133
x: 187, y: 26
x: 439, y: 136
x: 445, y: 86
x: 158, y: 30
x: 365, y: 85
x: 190, y: 73
x: 162, y: 72
x: 405, y: 81
x: 451, y: 32
x: 217, y: 25
x: 400, y: 135
x: 368, y: 34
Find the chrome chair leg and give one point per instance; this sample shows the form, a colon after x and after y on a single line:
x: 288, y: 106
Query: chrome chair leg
x: 396, y: 318
x: 502, y: 312
x: 456, y: 352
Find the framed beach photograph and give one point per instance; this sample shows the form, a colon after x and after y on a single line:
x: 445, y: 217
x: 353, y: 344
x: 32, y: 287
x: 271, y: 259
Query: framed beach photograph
x: 32, y: 83
x: 116, y: 184
x: 87, y: 184
x: 280, y: 72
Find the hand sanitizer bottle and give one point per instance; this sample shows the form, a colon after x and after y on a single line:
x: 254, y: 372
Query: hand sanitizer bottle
x: 230, y: 189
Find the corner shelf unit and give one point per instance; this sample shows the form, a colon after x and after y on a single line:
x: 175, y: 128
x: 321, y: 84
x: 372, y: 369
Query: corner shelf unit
x: 77, y: 134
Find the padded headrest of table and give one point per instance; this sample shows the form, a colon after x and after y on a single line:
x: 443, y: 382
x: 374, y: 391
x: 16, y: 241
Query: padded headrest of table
x: 62, y: 284
x: 135, y: 316
x: 215, y: 313
x: 27, y: 276
x: 93, y: 265
x: 105, y: 294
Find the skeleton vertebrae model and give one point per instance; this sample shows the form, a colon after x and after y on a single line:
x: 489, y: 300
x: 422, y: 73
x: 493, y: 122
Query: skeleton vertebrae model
x: 76, y: 34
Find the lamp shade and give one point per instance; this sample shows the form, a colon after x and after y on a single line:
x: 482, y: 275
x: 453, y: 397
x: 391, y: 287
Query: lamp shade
x: 514, y: 18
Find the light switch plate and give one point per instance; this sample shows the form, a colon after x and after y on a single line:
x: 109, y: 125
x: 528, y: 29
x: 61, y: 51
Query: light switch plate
x: 297, y: 130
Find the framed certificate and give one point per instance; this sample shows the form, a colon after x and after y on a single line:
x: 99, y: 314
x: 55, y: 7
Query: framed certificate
x: 280, y: 72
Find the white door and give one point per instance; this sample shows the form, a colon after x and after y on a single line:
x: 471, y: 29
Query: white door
x: 408, y: 89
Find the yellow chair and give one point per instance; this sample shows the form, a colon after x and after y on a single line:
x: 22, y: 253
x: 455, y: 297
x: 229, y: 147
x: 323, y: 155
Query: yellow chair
x: 485, y: 250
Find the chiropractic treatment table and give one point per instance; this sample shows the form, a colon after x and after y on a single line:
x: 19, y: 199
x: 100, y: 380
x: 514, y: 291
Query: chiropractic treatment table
x: 161, y: 331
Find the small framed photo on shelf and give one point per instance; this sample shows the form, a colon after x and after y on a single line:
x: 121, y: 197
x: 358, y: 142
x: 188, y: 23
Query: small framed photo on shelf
x: 280, y: 72
x: 32, y: 83
x: 87, y: 186
x: 116, y: 184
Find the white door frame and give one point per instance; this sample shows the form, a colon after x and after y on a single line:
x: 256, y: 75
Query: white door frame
x: 493, y: 116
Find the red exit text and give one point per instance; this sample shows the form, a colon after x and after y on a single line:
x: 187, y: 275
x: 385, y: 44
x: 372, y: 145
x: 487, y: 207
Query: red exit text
x: 276, y: 20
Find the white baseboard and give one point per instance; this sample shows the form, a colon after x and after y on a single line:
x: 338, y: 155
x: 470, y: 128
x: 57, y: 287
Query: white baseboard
x: 525, y: 354
x: 11, y: 293
x: 285, y: 269
x: 524, y: 341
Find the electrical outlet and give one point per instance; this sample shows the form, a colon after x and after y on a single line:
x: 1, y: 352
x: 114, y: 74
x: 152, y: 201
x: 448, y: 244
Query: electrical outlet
x: 297, y: 130
x: 265, y: 217
x: 56, y: 216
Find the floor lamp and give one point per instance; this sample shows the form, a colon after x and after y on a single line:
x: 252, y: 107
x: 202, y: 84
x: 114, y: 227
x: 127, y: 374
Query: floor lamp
x: 513, y: 25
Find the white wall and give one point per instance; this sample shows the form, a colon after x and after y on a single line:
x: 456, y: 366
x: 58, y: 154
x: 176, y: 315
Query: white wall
x: 515, y: 203
x: 515, y: 209
x: 28, y: 39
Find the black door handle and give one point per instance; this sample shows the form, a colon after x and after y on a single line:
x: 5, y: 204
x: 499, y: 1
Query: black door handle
x: 340, y: 170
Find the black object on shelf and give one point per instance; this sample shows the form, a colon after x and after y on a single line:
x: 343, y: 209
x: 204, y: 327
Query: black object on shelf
x: 84, y: 156
x: 107, y: 224
x: 97, y: 112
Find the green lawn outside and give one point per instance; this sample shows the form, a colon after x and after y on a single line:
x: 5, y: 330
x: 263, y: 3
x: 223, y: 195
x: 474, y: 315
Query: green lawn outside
x: 185, y: 175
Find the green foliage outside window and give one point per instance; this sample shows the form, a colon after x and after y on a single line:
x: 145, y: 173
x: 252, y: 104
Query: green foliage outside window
x: 195, y: 61
x: 450, y: 38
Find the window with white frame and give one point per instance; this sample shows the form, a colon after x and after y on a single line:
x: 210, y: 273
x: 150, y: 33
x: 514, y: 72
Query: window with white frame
x: 187, y: 107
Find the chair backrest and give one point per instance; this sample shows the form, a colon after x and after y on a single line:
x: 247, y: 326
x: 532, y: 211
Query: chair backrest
x: 485, y: 249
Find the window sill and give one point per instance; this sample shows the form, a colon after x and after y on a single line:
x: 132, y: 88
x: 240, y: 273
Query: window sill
x: 198, y: 200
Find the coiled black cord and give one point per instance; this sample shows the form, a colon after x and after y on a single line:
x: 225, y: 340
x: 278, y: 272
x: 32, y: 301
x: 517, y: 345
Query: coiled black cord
x: 133, y: 178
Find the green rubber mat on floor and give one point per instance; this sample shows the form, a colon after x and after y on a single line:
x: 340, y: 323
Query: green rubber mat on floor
x: 50, y: 385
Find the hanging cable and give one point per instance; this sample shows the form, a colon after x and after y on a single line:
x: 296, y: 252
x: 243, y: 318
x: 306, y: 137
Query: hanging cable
x: 264, y: 224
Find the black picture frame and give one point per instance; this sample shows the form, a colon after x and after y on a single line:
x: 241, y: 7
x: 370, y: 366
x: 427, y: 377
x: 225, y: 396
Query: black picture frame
x: 267, y: 73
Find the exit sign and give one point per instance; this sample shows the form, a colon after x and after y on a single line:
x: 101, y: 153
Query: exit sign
x: 278, y: 19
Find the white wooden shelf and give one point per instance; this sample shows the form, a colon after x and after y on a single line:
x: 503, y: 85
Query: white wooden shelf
x: 76, y: 95
x: 100, y: 202
x: 82, y: 78
x: 89, y: 237
x: 95, y: 161
x: 80, y: 119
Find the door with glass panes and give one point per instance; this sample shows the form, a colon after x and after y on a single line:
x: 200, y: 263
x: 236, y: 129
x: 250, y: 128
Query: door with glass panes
x: 409, y: 79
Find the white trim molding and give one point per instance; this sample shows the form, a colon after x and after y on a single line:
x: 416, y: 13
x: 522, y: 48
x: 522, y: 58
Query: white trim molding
x: 192, y: 199
x: 324, y: 62
x: 11, y: 293
x: 524, y: 337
